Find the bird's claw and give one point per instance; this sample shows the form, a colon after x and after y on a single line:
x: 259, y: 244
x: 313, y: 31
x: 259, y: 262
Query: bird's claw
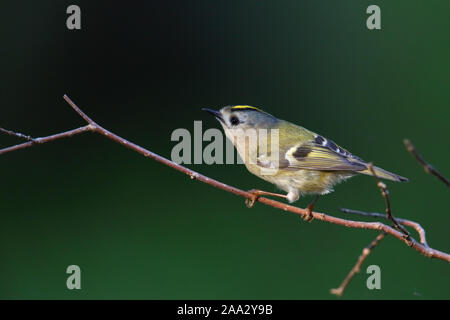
x: 250, y: 202
x: 309, y: 216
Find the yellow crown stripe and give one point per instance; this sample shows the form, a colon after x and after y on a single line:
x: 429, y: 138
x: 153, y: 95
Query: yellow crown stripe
x: 244, y: 107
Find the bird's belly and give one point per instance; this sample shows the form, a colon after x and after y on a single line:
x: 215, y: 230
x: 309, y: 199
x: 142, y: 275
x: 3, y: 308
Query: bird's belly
x: 306, y: 181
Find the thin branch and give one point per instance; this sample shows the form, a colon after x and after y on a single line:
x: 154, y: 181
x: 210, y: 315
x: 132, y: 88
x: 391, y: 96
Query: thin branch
x: 16, y: 134
x: 78, y: 110
x: 420, y: 230
x: 397, y: 221
x: 54, y: 137
x: 365, y: 253
x: 385, y: 195
x: 426, y: 166
x: 367, y: 250
x: 94, y: 127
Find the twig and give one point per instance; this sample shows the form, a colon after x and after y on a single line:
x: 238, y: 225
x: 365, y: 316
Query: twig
x: 16, y: 134
x: 420, y: 230
x: 94, y: 127
x: 367, y: 250
x: 426, y: 166
x: 385, y: 195
x: 365, y: 253
x: 54, y: 137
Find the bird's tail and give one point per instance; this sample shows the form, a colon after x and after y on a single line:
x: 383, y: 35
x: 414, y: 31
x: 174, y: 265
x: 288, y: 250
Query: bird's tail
x: 381, y: 173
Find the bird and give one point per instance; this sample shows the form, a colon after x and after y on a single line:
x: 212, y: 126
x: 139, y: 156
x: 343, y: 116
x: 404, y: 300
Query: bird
x: 297, y: 161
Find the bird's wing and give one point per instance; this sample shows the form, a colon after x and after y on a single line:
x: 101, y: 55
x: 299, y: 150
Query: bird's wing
x: 323, y: 154
x: 316, y: 153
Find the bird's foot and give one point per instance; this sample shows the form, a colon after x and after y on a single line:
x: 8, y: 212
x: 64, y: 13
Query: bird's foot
x: 250, y: 202
x: 309, y: 216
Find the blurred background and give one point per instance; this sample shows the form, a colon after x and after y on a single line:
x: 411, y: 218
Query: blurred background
x: 140, y: 230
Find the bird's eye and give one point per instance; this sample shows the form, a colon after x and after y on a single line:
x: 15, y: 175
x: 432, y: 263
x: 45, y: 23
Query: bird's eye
x: 234, y: 121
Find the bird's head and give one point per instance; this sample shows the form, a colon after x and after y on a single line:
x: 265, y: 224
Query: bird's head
x: 243, y: 117
x: 254, y: 133
x: 245, y: 126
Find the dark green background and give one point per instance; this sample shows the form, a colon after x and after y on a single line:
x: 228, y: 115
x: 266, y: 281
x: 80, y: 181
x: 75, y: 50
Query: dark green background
x: 140, y: 230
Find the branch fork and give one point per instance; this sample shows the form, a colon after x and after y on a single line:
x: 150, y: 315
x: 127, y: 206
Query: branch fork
x: 397, y: 231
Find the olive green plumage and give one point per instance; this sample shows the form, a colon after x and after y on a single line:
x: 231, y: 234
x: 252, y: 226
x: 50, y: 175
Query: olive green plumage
x: 293, y: 158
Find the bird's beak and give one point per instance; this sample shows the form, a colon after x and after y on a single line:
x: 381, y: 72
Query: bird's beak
x: 216, y: 114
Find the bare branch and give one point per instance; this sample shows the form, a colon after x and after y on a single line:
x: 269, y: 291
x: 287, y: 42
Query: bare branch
x: 420, y: 230
x: 54, y: 137
x: 94, y: 127
x: 385, y: 195
x: 426, y: 166
x: 16, y: 134
x: 78, y: 110
x: 365, y: 253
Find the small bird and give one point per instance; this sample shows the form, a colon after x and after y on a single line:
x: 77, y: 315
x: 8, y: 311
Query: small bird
x: 304, y: 163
